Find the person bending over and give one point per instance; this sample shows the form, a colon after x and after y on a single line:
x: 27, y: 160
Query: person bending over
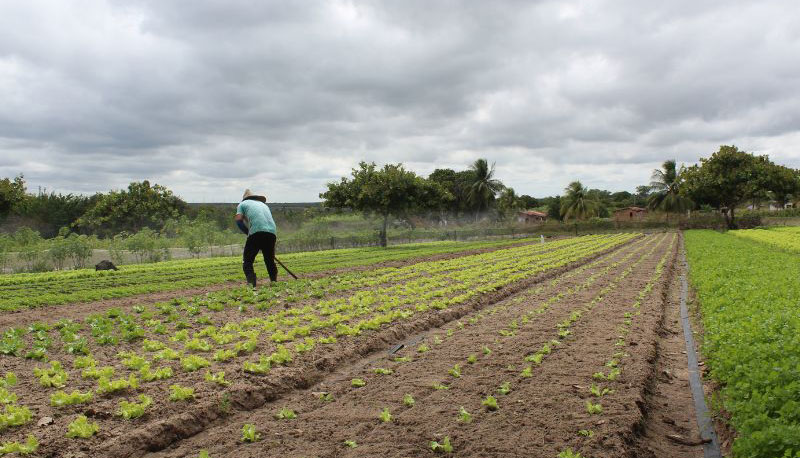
x: 254, y: 218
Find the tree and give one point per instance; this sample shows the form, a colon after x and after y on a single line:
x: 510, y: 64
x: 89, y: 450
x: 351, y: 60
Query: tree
x: 642, y: 193
x: 508, y: 202
x: 457, y: 185
x: 138, y: 207
x: 485, y: 187
x: 665, y: 187
x: 784, y: 184
x: 12, y: 194
x: 554, y: 208
x: 728, y: 179
x: 528, y: 201
x: 390, y: 191
x: 577, y: 203
x: 622, y: 199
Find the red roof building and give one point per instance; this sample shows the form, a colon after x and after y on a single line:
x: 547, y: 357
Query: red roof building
x: 630, y: 214
x: 531, y: 216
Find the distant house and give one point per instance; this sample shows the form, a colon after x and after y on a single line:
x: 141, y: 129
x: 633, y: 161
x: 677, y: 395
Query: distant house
x: 531, y: 216
x: 630, y: 214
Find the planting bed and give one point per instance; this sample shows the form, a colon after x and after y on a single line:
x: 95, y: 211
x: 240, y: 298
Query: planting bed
x: 23, y: 291
x: 561, y: 336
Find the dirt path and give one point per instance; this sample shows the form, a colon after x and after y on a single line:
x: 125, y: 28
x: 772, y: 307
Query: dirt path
x: 543, y: 412
x: 77, y: 311
x: 671, y: 424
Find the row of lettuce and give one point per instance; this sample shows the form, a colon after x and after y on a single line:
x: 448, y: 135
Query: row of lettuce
x: 240, y: 333
x: 54, y: 288
x: 748, y: 290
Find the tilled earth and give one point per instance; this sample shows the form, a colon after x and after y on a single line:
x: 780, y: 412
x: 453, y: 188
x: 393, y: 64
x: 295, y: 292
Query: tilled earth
x: 597, y: 315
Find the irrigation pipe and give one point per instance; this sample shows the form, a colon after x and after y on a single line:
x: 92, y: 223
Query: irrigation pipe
x: 704, y: 423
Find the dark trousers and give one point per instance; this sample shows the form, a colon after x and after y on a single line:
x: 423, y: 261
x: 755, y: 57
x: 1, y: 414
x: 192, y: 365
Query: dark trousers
x: 265, y: 243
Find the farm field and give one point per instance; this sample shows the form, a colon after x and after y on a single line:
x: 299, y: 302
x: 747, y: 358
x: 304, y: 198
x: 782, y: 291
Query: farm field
x: 784, y: 238
x: 22, y: 291
x: 748, y: 290
x: 547, y: 344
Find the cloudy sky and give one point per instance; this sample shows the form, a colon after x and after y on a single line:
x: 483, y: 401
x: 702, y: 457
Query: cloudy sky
x: 209, y: 97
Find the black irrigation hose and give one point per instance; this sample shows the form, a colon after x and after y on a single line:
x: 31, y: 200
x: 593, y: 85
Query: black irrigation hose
x: 707, y: 433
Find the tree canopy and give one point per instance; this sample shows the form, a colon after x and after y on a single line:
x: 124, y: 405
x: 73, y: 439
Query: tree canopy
x: 12, y: 194
x: 140, y: 206
x: 485, y: 186
x: 731, y: 177
x: 577, y: 202
x: 389, y: 191
x: 665, y: 190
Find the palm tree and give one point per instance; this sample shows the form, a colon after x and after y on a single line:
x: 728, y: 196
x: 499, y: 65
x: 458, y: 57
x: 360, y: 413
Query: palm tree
x: 665, y: 186
x: 508, y: 202
x: 577, y: 203
x: 485, y: 186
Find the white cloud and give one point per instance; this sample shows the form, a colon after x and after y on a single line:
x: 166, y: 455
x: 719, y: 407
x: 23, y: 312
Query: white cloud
x: 287, y: 96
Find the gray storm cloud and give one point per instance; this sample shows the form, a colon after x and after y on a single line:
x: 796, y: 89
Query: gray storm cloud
x: 213, y: 96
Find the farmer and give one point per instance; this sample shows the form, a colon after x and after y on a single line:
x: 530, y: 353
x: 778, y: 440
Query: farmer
x: 255, y: 220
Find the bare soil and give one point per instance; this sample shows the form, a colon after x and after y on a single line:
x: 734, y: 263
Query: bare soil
x: 540, y: 417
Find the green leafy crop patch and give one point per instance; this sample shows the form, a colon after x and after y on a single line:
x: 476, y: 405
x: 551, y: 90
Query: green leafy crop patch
x: 749, y: 296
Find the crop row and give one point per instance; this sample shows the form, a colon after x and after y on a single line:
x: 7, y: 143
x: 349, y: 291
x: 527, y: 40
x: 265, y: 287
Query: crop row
x: 53, y: 288
x: 784, y: 238
x: 748, y: 294
x: 604, y: 381
x: 305, y: 326
x: 474, y: 357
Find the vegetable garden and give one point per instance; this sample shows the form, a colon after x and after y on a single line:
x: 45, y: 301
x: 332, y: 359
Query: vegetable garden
x: 32, y: 290
x: 747, y: 287
x: 524, y: 350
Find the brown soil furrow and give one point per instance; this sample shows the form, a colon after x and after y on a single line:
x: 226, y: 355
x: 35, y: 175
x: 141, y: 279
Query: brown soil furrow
x: 539, y: 417
x: 103, y: 408
x: 157, y: 435
x: 322, y: 427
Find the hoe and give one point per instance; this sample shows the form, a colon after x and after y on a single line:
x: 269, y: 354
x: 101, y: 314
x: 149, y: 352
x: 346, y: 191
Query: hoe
x: 286, y: 268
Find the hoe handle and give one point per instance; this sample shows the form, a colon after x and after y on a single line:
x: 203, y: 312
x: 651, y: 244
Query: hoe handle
x: 285, y: 268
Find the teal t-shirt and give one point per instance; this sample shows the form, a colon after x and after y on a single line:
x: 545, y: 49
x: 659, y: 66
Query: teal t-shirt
x: 257, y: 216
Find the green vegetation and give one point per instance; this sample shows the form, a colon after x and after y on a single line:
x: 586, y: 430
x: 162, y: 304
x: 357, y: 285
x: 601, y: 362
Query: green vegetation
x: 490, y: 403
x: 390, y: 191
x: 464, y: 416
x: 783, y: 238
x: 270, y: 325
x: 249, y: 433
x: 53, y: 288
x: 106, y: 385
x: 180, y: 393
x: 130, y: 410
x: 82, y: 428
x: 30, y: 446
x: 505, y: 388
x: 285, y: 414
x: 61, y: 399
x: 385, y: 416
x: 748, y: 294
x: 568, y: 453
x: 443, y: 446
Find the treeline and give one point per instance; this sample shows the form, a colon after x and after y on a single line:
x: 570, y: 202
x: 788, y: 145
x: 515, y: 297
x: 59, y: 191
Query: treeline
x: 49, y: 230
x: 727, y: 180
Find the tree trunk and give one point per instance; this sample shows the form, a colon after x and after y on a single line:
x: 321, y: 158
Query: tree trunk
x: 383, y: 231
x: 729, y: 218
